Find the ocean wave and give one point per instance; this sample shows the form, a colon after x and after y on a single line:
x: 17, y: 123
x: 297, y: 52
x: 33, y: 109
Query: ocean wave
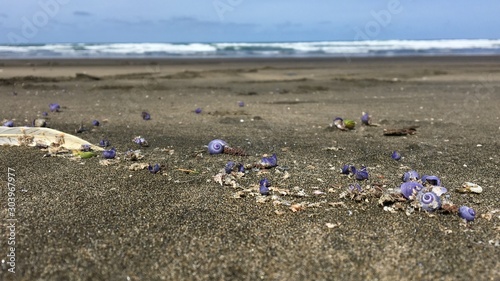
x: 278, y: 49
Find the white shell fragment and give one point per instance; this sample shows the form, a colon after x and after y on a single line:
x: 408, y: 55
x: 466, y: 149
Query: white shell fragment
x: 470, y: 187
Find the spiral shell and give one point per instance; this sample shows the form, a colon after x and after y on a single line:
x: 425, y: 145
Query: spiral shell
x: 430, y: 201
x: 216, y: 146
x: 467, y: 213
x: 408, y: 188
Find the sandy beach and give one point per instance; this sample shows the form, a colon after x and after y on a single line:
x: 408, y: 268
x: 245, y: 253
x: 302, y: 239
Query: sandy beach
x: 77, y: 219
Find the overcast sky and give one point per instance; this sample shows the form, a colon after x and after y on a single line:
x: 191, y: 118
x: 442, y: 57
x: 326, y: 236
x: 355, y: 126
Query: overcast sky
x: 51, y: 21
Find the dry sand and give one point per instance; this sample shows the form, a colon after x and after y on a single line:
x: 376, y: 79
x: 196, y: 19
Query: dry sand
x: 79, y: 220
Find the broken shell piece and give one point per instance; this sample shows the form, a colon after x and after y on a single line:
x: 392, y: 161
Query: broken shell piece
x: 470, y: 187
x: 39, y: 122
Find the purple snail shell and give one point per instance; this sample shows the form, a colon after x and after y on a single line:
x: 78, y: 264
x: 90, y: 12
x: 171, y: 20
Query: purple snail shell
x: 241, y: 104
x: 264, y: 186
x: 9, y: 123
x: 365, y: 118
x: 104, y: 143
x: 85, y: 148
x: 197, y: 111
x: 269, y: 162
x: 408, y: 188
x: 154, y: 169
x: 54, y: 107
x: 109, y: 154
x: 361, y: 174
x: 345, y: 169
x: 145, y: 115
x: 229, y: 167
x: 96, y: 123
x: 432, y: 180
x: 410, y: 176
x: 467, y: 213
x: 264, y: 182
x: 430, y: 201
x: 241, y: 168
x: 140, y: 141
x: 216, y: 146
x: 396, y: 155
x: 339, y: 123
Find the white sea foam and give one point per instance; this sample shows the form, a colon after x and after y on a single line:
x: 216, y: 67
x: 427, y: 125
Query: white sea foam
x: 279, y: 49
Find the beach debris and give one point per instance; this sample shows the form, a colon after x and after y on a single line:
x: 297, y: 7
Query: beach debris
x: 429, y: 201
x: 140, y: 141
x: 138, y: 166
x: 345, y: 169
x: 264, y: 186
x: 109, y: 154
x: 241, y: 104
x: 401, y: 132
x: 469, y: 187
x: 198, y: 110
x: 104, y: 143
x: 41, y: 137
x: 54, y: 107
x: 39, y: 122
x: 154, y: 169
x: 410, y: 176
x: 467, y: 213
x: 133, y: 155
x: 344, y: 124
x: 216, y: 146
x: 396, y: 155
x: 84, y: 154
x: 145, y: 116
x: 8, y: 123
x: 96, y: 123
x: 366, y: 119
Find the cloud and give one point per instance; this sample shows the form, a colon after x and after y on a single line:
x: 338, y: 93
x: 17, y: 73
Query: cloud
x: 81, y: 13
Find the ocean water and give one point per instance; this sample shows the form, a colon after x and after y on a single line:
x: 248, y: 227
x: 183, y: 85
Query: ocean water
x: 278, y: 49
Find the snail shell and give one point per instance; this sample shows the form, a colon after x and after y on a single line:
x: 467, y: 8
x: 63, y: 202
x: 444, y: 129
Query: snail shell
x: 409, y: 187
x: 467, y: 213
x: 430, y: 201
x: 216, y: 146
x: 410, y: 176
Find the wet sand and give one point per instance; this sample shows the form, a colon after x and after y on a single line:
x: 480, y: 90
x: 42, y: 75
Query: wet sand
x: 80, y: 220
